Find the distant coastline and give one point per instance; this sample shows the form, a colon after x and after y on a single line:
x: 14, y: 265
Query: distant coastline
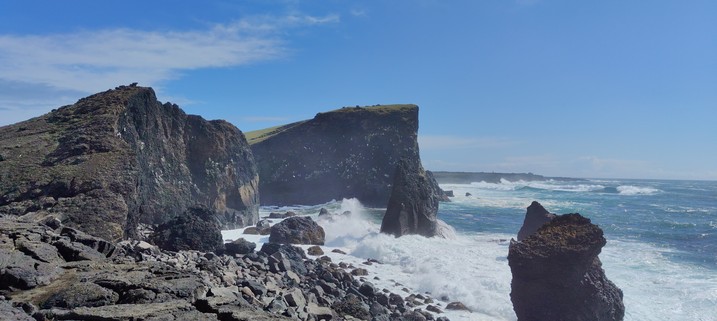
x: 469, y: 177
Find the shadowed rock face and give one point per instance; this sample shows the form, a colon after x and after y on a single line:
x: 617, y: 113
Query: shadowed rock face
x: 196, y: 229
x: 118, y: 158
x: 557, y: 274
x: 535, y: 217
x: 414, y: 201
x: 349, y: 152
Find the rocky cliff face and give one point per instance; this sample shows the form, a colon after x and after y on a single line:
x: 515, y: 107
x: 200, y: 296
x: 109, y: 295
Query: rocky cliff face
x: 535, y: 217
x: 413, y: 204
x: 557, y: 274
x: 349, y: 152
x: 119, y: 158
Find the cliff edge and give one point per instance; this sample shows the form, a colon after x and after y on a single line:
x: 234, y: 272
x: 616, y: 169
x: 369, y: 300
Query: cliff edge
x: 119, y: 158
x: 348, y: 152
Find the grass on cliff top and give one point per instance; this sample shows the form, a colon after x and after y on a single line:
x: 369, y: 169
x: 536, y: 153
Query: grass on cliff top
x: 260, y: 135
x: 379, y: 109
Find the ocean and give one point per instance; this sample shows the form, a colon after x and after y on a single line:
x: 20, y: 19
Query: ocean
x: 661, y: 244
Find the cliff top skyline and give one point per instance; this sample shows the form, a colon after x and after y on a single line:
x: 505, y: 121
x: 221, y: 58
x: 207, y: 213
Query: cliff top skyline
x: 603, y: 90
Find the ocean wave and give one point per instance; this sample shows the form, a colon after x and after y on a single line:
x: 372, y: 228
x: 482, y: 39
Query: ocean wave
x: 636, y: 190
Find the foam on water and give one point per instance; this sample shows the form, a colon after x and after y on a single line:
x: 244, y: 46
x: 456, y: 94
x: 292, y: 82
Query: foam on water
x: 636, y: 190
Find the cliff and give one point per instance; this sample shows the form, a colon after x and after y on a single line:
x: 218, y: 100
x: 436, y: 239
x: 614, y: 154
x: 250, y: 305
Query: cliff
x: 470, y: 177
x: 119, y: 158
x: 349, y: 152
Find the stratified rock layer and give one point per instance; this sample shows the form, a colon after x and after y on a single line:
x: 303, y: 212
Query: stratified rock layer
x: 118, y: 158
x: 349, y: 152
x: 535, y: 216
x: 414, y: 200
x: 557, y: 274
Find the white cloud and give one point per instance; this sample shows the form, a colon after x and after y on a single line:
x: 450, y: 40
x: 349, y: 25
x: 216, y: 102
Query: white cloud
x: 95, y: 60
x: 445, y: 142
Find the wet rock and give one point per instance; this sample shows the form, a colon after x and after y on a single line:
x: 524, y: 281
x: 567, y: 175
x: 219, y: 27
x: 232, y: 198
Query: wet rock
x: 359, y: 272
x: 196, y: 229
x: 535, y: 217
x: 351, y: 305
x: 457, y: 306
x: 297, y: 230
x: 413, y: 204
x: 323, y: 212
x: 239, y: 246
x: 315, y: 250
x: 557, y: 274
x: 338, y: 251
x: 367, y: 289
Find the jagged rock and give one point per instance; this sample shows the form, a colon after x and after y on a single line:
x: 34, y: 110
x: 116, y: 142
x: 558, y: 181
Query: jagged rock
x: 557, y: 274
x: 414, y: 202
x: 171, y: 310
x: 367, y: 289
x: 323, y: 211
x: 535, y: 217
x: 351, y: 305
x: 345, y: 153
x: 281, y: 215
x: 240, y: 246
x: 295, y: 298
x: 263, y: 224
x: 119, y: 158
x: 8, y: 312
x: 297, y: 230
x: 359, y: 272
x: 196, y: 229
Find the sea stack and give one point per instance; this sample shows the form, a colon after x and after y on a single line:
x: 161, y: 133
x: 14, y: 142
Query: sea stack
x: 414, y: 200
x: 345, y: 153
x: 557, y: 274
x: 119, y: 158
x: 535, y: 217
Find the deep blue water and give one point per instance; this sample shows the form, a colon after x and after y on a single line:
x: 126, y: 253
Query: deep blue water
x: 679, y: 216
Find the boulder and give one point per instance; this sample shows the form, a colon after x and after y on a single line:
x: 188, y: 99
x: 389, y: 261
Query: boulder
x: 239, y: 246
x: 535, y: 217
x: 196, y: 229
x: 297, y: 230
x: 414, y: 200
x: 315, y: 250
x: 557, y: 274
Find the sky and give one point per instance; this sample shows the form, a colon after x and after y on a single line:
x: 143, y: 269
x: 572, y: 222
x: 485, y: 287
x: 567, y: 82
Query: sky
x: 596, y: 89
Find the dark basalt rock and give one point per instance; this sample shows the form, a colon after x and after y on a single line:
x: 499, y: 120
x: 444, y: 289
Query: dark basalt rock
x: 196, y: 229
x: 345, y: 153
x: 557, y: 274
x: 82, y: 294
x: 240, y: 246
x: 535, y: 217
x: 297, y: 230
x: 119, y: 158
x: 414, y: 201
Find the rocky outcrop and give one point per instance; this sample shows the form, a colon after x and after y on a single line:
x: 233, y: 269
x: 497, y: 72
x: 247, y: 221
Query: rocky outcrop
x: 535, y: 217
x: 557, y: 274
x: 345, y: 153
x: 139, y: 281
x: 196, y: 229
x: 119, y: 158
x: 414, y: 200
x: 297, y: 230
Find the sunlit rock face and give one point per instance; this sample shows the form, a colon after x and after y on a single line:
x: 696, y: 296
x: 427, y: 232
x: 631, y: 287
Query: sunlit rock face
x: 348, y: 152
x: 119, y: 158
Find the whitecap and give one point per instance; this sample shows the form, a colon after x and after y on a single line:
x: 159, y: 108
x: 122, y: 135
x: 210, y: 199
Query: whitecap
x: 636, y: 190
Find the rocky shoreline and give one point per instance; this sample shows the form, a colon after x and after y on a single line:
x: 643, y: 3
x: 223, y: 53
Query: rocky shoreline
x: 53, y: 272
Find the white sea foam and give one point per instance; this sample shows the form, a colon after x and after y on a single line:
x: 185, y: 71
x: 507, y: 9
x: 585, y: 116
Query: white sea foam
x: 636, y: 190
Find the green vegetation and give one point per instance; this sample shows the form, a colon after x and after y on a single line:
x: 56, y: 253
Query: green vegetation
x: 260, y: 135
x: 380, y: 109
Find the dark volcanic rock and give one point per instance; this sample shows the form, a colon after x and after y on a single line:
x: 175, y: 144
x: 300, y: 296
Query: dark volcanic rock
x: 535, y: 217
x: 349, y: 152
x: 557, y: 274
x: 240, y: 246
x: 119, y: 158
x: 414, y: 201
x: 196, y: 229
x: 82, y: 294
x: 297, y: 230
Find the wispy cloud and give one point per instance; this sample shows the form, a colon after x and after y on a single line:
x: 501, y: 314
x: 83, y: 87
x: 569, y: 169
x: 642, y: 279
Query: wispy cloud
x: 445, y: 142
x: 91, y: 61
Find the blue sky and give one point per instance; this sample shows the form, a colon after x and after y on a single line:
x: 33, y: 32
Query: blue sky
x: 606, y: 89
